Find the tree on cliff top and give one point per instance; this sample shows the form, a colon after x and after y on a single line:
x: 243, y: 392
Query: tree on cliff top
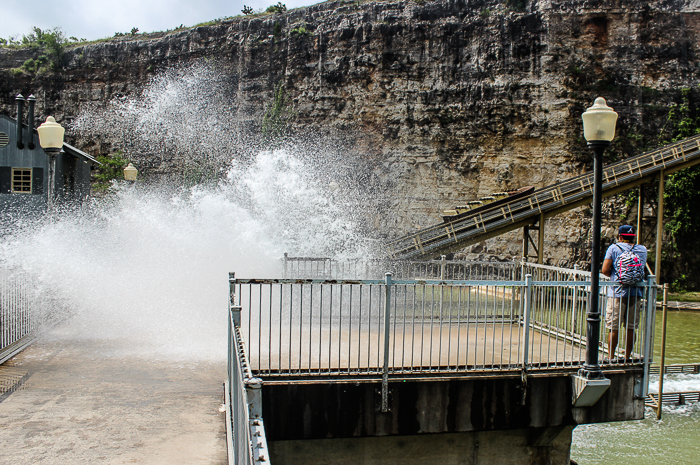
x: 49, y: 46
x: 279, y: 8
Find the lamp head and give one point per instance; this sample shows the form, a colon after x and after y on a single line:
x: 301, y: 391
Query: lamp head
x: 599, y: 122
x: 51, y: 134
x: 130, y: 172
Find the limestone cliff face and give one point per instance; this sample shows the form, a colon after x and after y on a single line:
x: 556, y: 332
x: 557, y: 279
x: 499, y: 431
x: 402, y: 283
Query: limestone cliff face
x: 453, y: 99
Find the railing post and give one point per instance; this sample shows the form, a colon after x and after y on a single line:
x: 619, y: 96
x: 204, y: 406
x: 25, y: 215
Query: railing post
x: 235, y: 309
x: 258, y: 442
x: 574, y: 301
x: 285, y: 259
x: 662, y: 367
x: 236, y: 315
x: 442, y: 267
x: 659, y: 225
x: 385, y: 369
x: 649, y: 333
x: 253, y: 388
x: 526, y: 323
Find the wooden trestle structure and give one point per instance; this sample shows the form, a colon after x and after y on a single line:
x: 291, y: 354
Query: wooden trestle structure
x: 530, y: 212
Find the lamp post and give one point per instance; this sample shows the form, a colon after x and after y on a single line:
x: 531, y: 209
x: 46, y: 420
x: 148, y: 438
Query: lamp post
x: 51, y: 140
x: 599, y: 130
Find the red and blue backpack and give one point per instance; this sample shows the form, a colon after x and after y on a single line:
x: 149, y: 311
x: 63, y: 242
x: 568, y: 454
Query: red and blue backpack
x: 630, y: 268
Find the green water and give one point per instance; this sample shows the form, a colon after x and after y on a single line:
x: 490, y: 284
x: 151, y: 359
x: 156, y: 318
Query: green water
x: 682, y: 338
x: 673, y: 440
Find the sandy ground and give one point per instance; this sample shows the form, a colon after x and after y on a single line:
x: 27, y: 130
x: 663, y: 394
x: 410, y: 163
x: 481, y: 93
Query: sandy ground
x: 79, y: 403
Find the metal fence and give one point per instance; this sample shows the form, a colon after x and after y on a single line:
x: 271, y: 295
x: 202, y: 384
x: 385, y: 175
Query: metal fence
x: 24, y: 311
x: 329, y: 268
x: 554, y: 273
x: 443, y: 269
x: 351, y: 327
x: 245, y: 429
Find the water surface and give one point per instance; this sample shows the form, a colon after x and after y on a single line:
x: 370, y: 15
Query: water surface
x: 675, y: 439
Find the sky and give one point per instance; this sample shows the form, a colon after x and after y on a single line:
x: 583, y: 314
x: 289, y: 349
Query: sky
x: 97, y: 19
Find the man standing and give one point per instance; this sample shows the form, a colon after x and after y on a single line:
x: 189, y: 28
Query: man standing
x: 624, y: 300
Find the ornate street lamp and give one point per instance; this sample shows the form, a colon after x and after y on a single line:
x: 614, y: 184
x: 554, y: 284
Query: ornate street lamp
x: 130, y: 172
x: 599, y: 130
x: 51, y: 140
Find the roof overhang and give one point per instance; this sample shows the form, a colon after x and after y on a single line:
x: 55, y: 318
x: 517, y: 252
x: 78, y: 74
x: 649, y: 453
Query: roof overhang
x: 69, y: 149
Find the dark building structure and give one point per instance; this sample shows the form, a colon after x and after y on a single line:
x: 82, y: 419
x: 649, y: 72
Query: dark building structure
x: 24, y: 167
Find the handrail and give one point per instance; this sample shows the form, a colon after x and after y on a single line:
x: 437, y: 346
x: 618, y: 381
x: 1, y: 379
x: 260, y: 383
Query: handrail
x: 25, y: 311
x: 364, y: 268
x: 337, y: 328
x: 533, y: 267
x: 247, y: 443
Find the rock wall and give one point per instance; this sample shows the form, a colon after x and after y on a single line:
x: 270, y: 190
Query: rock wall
x: 447, y: 100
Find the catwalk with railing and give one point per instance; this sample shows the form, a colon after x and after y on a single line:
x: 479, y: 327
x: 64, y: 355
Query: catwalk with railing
x: 548, y: 201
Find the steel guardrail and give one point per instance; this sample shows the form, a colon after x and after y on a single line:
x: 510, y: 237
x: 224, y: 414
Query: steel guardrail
x: 371, y: 268
x: 297, y: 328
x: 246, y: 439
x: 25, y: 311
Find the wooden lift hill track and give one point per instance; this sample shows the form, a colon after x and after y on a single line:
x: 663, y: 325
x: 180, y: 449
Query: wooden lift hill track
x: 544, y: 203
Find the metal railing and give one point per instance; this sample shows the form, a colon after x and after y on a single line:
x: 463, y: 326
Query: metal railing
x: 554, y: 273
x: 393, y: 327
x: 247, y: 444
x: 24, y: 311
x: 573, y: 302
x: 330, y: 268
x: 681, y: 368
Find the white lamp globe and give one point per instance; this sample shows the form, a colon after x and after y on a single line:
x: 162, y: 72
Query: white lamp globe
x: 51, y: 134
x: 599, y: 122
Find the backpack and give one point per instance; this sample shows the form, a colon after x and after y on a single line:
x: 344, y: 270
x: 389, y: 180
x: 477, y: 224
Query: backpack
x: 630, y: 268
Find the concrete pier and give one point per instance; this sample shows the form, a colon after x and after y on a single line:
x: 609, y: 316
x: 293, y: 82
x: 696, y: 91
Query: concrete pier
x: 79, y: 401
x: 487, y: 447
x: 465, y: 420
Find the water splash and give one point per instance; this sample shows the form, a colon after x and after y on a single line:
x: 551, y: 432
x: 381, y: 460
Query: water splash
x: 144, y: 268
x: 675, y: 382
x: 185, y: 116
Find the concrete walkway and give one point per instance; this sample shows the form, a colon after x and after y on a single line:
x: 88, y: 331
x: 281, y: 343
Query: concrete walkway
x: 74, y: 402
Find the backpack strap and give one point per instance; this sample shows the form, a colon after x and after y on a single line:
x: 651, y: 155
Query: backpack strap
x: 631, y: 249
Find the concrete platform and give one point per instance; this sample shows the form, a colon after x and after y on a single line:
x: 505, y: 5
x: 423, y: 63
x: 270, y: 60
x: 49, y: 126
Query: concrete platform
x: 71, y: 401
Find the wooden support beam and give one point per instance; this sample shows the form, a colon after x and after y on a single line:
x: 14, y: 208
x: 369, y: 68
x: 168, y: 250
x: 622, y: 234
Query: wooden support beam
x: 540, y: 241
x: 659, y: 227
x: 640, y: 211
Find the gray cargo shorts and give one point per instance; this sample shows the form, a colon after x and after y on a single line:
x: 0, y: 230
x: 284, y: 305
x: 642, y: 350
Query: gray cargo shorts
x: 623, y: 310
